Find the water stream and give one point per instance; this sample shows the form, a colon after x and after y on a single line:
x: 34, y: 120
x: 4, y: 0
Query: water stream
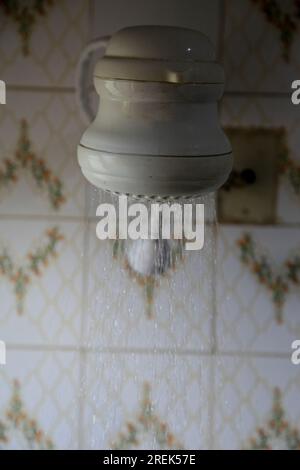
x: 149, y: 332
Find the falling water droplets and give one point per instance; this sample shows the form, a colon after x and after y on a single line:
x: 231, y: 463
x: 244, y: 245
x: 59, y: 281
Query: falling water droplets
x: 124, y: 345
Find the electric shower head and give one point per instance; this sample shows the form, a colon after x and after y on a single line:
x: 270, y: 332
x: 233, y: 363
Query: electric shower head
x: 157, y: 134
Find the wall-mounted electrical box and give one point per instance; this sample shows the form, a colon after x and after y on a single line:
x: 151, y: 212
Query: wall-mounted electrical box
x: 250, y: 195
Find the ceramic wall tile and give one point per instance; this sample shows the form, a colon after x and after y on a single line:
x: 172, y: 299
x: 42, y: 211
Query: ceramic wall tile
x: 127, y: 309
x: 275, y: 113
x: 39, y: 170
x: 136, y: 401
x: 254, y: 56
x: 40, y: 281
x: 159, y: 368
x: 257, y: 290
x: 47, y: 51
x: 197, y: 14
x: 257, y: 403
x: 39, y: 400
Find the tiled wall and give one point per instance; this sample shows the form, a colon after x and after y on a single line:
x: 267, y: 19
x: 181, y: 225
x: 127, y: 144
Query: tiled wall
x: 42, y: 224
x: 257, y: 302
x: 97, y: 356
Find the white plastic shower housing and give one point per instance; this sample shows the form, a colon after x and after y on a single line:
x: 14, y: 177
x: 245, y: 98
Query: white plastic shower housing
x: 157, y: 132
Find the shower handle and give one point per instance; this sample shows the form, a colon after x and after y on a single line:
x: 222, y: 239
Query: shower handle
x: 82, y: 77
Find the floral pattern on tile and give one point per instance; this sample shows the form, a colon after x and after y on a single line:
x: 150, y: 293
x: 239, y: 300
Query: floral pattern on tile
x: 21, y: 276
x: 248, y: 319
x: 275, y: 281
x: 38, y: 164
x: 291, y: 170
x: 52, y: 301
x: 285, y: 20
x: 182, y: 390
x: 54, y: 41
x: 25, y: 158
x: 17, y: 420
x: 244, y: 414
x: 25, y: 17
x: 41, y: 42
x: 146, y: 422
x: 261, y: 43
x: 39, y: 400
x: 277, y: 433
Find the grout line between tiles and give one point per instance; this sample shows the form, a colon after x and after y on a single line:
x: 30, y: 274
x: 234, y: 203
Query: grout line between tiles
x: 41, y: 347
x: 214, y: 344
x: 39, y: 88
x: 94, y: 219
x: 215, y: 279
x: 91, y: 18
x: 82, y: 377
x: 148, y: 351
x: 258, y: 94
x: 82, y: 366
x: 211, y: 405
x: 82, y: 356
x: 222, y: 27
x: 255, y: 354
x: 46, y: 217
x: 227, y: 93
x: 212, y: 380
x: 262, y: 226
